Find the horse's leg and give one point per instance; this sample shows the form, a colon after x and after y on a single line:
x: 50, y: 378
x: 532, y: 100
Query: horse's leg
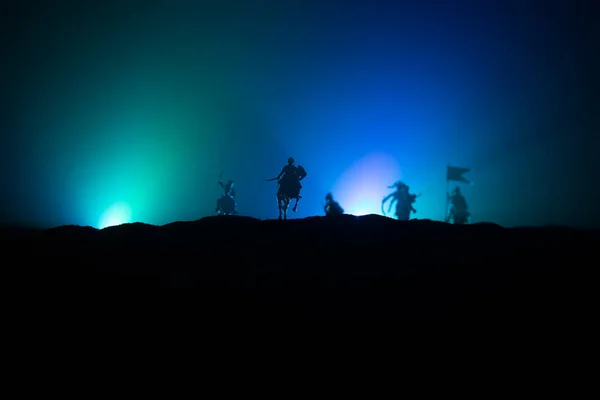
x: 279, y: 207
x: 286, y: 204
x: 282, y: 208
x: 296, y: 204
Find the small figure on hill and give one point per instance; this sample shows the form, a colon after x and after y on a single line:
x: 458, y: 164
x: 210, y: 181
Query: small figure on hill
x: 332, y: 208
x: 226, y: 204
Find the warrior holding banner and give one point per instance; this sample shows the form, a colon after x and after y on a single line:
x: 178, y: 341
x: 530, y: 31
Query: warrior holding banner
x: 459, y: 213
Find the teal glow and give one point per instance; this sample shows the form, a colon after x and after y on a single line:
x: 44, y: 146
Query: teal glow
x: 148, y: 106
x: 117, y: 214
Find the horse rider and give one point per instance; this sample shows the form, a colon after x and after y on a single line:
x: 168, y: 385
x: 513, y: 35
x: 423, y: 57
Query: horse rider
x: 290, y: 176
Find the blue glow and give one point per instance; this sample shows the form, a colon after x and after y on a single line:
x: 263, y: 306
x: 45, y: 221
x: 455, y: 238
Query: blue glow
x: 363, y: 185
x: 112, y: 110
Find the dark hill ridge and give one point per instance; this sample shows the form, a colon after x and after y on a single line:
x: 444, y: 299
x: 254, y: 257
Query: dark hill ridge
x: 345, y: 267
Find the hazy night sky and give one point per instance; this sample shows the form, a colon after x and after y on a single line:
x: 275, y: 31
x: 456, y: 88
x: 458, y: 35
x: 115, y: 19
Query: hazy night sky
x: 138, y: 106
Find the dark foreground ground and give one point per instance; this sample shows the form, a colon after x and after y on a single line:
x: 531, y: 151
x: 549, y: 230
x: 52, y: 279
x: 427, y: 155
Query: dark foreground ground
x: 347, y: 268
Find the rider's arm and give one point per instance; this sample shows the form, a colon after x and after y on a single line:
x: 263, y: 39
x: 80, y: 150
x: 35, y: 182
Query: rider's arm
x: 281, y: 173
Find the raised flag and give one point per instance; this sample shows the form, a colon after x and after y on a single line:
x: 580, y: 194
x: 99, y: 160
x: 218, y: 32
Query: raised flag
x: 456, y: 174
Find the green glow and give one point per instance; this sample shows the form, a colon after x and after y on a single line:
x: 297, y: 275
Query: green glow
x: 117, y: 214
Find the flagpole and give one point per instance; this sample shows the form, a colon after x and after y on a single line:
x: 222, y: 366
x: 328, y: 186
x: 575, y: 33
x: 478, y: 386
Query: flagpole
x: 446, y: 219
x: 446, y: 194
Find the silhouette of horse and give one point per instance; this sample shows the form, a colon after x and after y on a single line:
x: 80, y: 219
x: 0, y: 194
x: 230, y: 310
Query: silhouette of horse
x: 285, y: 194
x: 226, y: 205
